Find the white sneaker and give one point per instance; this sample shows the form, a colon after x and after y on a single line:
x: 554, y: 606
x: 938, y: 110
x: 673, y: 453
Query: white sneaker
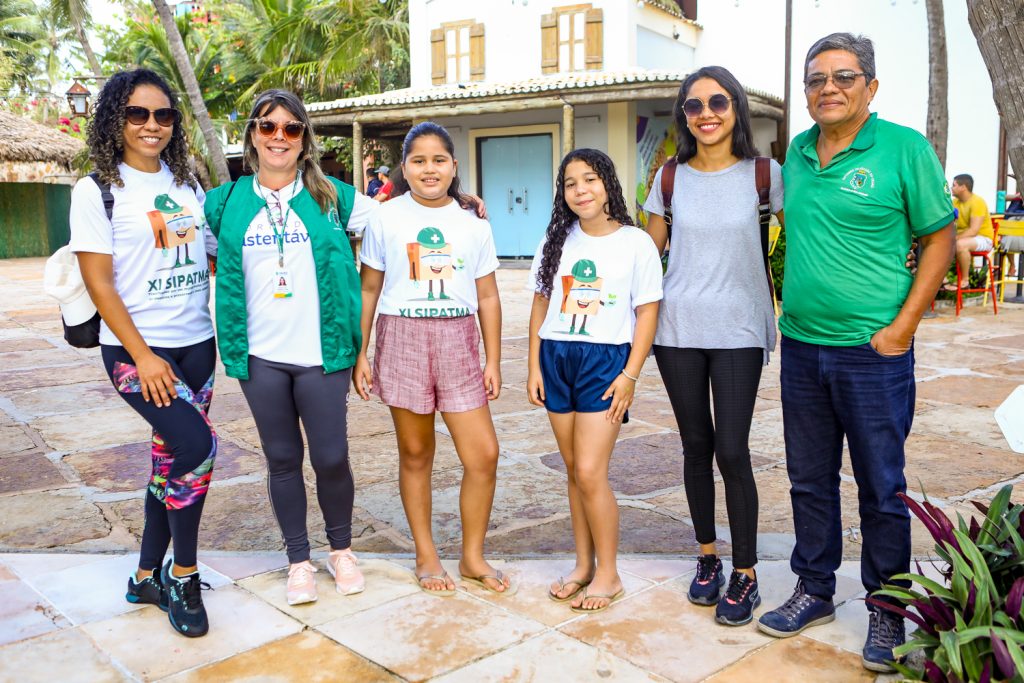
x: 301, y: 583
x: 348, y: 580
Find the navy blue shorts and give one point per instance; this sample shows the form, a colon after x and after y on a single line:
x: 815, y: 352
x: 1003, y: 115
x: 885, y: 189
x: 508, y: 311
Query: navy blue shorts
x: 576, y: 374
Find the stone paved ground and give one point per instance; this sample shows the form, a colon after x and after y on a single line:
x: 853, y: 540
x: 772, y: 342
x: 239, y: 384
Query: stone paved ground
x: 73, y: 462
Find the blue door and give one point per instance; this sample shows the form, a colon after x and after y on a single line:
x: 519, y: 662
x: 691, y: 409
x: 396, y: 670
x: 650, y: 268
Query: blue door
x: 516, y: 184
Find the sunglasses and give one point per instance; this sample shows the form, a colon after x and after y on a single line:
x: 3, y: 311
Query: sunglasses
x: 718, y: 104
x: 843, y: 80
x: 292, y: 129
x: 139, y: 116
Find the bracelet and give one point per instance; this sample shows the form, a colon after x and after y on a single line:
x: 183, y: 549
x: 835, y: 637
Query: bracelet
x: 635, y: 379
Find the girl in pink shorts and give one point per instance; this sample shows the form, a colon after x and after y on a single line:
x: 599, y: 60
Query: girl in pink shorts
x: 429, y: 263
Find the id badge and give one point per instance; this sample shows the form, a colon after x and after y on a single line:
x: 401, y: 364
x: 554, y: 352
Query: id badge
x: 282, y: 284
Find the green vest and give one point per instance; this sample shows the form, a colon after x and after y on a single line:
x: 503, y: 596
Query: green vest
x: 229, y: 210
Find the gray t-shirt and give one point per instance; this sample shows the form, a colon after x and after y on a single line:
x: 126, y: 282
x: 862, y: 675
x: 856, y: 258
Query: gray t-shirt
x: 716, y: 291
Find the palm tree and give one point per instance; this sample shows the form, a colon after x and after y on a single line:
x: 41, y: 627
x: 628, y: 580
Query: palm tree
x: 19, y: 29
x: 938, y: 80
x: 195, y: 97
x: 996, y: 26
x: 76, y: 12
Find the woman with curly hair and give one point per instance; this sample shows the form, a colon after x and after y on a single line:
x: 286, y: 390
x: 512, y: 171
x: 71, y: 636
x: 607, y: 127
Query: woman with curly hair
x: 138, y: 230
x: 597, y: 282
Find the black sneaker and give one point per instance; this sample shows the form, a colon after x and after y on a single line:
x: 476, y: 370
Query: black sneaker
x: 885, y: 633
x: 150, y: 590
x: 801, y: 611
x: 185, y: 603
x: 705, y: 587
x: 740, y: 601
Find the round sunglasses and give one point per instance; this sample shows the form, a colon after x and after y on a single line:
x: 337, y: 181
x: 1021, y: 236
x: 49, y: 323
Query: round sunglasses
x: 718, y: 104
x: 164, y: 117
x: 292, y: 129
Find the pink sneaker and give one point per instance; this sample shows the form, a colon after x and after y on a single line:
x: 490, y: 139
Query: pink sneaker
x: 301, y: 584
x: 348, y: 580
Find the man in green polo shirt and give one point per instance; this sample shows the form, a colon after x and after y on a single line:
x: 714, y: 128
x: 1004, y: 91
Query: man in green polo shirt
x: 859, y: 189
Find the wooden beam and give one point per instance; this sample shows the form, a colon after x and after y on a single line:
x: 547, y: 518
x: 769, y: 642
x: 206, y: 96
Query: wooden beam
x: 568, y: 129
x: 358, y: 174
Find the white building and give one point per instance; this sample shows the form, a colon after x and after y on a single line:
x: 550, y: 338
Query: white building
x: 518, y: 83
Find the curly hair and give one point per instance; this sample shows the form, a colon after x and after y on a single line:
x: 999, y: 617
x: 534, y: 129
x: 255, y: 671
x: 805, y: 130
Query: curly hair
x: 563, y: 217
x: 106, y: 128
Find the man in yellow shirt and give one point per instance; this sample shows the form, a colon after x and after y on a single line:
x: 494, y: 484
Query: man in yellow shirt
x: 973, y: 223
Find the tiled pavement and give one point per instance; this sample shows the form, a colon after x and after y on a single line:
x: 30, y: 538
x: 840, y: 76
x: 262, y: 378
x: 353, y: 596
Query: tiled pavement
x: 73, y: 462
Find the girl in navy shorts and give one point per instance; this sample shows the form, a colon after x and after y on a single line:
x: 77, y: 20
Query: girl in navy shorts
x: 430, y: 264
x: 597, y: 283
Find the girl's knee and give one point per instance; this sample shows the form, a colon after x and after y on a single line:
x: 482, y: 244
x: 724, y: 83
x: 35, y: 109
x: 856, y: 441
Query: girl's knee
x: 418, y: 455
x: 590, y: 478
x: 482, y: 463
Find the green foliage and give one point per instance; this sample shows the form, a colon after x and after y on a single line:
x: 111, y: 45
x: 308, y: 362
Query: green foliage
x: 19, y: 30
x: 970, y: 628
x: 778, y: 264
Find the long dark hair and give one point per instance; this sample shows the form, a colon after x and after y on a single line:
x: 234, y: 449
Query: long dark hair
x: 313, y: 179
x: 106, y: 128
x: 438, y: 131
x: 562, y: 217
x: 742, y: 135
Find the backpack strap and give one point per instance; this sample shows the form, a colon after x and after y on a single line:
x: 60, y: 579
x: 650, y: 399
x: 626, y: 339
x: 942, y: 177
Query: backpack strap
x: 668, y: 183
x: 763, y: 180
x: 108, y: 197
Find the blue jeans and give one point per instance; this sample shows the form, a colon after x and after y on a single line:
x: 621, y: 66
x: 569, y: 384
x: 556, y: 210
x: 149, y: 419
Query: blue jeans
x: 829, y: 392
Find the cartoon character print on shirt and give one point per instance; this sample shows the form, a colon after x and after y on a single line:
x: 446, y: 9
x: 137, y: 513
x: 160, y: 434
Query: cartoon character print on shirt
x: 173, y: 226
x: 581, y: 296
x: 431, y: 261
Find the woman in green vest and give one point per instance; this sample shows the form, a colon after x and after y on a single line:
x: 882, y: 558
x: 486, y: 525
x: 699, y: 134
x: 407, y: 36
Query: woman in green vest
x: 287, y: 311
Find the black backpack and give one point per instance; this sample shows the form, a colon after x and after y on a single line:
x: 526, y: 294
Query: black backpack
x: 87, y: 335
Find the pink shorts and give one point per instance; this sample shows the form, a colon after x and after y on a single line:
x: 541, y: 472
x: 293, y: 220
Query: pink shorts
x: 428, y: 364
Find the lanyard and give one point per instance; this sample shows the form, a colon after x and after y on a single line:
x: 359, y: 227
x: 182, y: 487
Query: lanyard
x: 279, y: 236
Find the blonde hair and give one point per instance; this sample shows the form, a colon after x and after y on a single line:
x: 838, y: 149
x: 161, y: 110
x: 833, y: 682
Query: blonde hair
x: 313, y: 178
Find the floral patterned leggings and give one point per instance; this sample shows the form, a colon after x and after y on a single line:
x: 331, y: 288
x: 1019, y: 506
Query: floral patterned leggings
x: 184, y: 447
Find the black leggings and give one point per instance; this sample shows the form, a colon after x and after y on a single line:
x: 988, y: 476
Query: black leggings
x: 183, y: 442
x: 734, y: 375
x: 279, y: 395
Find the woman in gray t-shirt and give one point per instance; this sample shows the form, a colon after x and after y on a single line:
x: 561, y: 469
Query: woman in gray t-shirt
x: 717, y: 321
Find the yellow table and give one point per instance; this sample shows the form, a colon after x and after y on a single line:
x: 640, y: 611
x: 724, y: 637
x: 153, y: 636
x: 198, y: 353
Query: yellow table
x: 1009, y: 228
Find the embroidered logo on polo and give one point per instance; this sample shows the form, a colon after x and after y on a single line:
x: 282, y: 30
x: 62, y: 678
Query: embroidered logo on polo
x: 858, y: 180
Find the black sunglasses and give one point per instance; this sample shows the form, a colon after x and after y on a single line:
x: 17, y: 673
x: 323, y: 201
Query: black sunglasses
x: 718, y: 104
x: 139, y: 116
x: 292, y: 129
x: 844, y: 80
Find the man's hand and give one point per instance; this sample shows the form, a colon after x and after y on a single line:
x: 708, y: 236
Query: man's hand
x: 888, y: 342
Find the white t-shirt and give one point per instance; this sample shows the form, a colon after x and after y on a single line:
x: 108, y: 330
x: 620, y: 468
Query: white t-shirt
x: 158, y: 238
x: 599, y: 283
x: 431, y: 258
x: 272, y: 322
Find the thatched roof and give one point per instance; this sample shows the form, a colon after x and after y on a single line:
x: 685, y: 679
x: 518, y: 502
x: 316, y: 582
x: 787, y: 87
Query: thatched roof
x: 22, y: 139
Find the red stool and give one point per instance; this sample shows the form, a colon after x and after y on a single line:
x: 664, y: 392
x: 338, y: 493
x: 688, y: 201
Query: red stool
x: 990, y: 287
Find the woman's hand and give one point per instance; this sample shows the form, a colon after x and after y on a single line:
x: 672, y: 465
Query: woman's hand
x: 156, y: 379
x: 535, y: 388
x: 621, y: 393
x: 362, y: 377
x: 492, y: 380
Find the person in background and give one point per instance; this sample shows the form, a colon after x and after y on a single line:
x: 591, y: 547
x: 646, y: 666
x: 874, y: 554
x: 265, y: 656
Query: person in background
x: 973, y: 224
x: 387, y: 189
x: 373, y: 183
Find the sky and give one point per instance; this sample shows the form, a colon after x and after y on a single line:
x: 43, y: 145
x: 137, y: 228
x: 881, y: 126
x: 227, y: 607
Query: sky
x: 747, y: 36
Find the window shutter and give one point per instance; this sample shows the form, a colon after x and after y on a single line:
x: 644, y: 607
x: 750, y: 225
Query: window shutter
x: 594, y: 42
x: 437, y: 56
x: 476, y: 52
x: 549, y: 44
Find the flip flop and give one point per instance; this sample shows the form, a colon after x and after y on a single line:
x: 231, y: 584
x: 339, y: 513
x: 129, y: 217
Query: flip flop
x: 612, y: 599
x: 562, y: 583
x: 444, y: 593
x: 497, y: 576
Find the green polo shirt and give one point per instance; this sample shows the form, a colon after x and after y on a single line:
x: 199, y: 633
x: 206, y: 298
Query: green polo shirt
x: 849, y: 228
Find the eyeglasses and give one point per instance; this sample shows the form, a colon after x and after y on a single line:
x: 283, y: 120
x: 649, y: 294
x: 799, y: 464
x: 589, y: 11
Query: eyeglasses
x: 718, y: 104
x: 292, y: 129
x: 139, y: 116
x: 843, y: 80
